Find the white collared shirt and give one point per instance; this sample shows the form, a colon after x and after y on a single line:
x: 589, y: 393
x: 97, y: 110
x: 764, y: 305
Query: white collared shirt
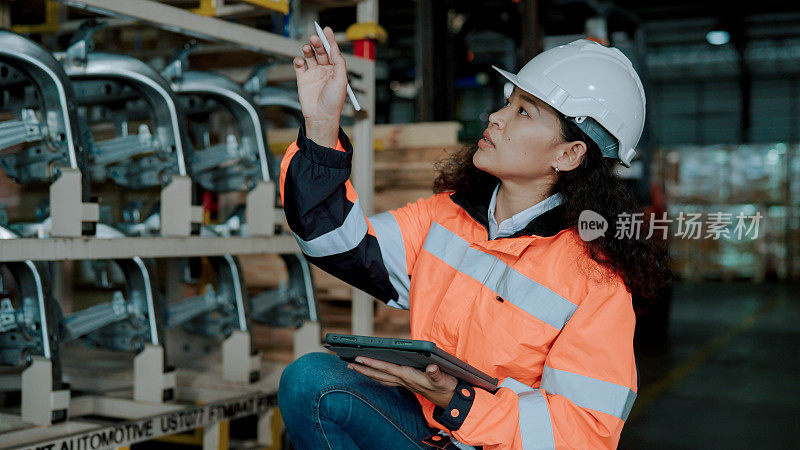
x: 519, y: 220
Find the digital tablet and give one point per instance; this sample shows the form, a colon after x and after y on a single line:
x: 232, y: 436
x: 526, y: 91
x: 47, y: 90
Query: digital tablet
x: 407, y: 352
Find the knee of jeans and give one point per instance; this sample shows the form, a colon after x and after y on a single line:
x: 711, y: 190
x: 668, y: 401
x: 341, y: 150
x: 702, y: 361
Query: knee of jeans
x: 307, y: 376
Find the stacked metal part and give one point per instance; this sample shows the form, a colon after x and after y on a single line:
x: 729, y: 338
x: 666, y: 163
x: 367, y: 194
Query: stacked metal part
x: 55, y: 106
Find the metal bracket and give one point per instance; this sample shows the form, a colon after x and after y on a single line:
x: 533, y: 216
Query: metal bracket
x: 67, y: 211
x: 82, y: 43
x: 151, y: 383
x: 177, y: 212
x: 260, y: 214
x: 307, y: 339
x: 41, y: 405
x: 239, y: 363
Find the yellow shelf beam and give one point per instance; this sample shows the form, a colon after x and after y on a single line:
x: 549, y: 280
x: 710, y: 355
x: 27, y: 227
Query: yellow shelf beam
x: 215, y: 8
x: 51, y: 23
x: 281, y: 6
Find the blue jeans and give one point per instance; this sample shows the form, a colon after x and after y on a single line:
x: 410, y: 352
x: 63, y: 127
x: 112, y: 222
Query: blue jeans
x: 325, y: 405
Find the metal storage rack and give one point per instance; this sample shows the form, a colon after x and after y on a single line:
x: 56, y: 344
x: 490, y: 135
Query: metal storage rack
x: 216, y: 402
x: 182, y: 21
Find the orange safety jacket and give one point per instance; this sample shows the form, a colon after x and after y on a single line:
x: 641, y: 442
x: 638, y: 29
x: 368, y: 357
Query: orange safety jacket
x: 533, y: 310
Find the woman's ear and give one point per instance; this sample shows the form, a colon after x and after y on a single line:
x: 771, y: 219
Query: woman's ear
x: 570, y: 155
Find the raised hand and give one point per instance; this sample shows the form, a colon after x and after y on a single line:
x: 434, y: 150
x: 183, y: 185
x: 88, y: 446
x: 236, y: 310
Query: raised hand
x: 321, y: 86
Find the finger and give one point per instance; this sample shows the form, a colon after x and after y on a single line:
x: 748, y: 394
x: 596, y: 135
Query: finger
x: 378, y: 378
x: 308, y: 53
x: 410, y: 377
x: 438, y: 379
x: 433, y: 373
x: 336, y: 54
x: 383, y: 366
x: 375, y: 374
x: 299, y: 66
x: 388, y: 383
x: 319, y: 50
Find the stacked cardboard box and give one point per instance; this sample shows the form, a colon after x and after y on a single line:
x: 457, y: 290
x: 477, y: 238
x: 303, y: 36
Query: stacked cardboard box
x: 723, y: 182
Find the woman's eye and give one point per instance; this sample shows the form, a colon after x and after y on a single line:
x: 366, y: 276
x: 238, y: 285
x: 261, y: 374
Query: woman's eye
x: 520, y: 110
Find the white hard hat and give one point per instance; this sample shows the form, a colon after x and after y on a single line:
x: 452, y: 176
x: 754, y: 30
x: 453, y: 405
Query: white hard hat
x: 583, y: 80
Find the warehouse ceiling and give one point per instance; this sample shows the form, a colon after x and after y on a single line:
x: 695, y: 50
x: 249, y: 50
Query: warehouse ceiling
x: 568, y: 16
x: 671, y: 10
x: 485, y: 32
x: 664, y: 21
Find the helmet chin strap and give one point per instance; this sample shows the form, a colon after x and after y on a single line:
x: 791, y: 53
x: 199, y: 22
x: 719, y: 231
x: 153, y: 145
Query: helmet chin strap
x: 609, y: 145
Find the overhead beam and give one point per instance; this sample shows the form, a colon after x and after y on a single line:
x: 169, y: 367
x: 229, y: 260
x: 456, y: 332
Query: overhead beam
x: 179, y: 20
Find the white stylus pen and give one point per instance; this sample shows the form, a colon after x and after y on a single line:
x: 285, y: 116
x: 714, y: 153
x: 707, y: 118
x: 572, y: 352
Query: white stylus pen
x: 327, y: 46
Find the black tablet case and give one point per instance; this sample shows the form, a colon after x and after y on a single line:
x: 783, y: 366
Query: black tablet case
x: 407, y: 352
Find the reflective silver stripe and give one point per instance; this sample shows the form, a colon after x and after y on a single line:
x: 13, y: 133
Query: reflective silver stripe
x: 340, y: 240
x: 461, y: 445
x: 393, y: 252
x: 455, y: 442
x: 588, y: 392
x: 517, y: 386
x: 501, y: 278
x: 534, y: 416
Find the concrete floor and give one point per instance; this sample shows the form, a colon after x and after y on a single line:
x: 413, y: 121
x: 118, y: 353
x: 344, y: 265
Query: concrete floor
x: 729, y: 374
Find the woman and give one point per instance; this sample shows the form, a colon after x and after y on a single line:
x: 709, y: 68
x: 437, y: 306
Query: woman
x: 492, y: 267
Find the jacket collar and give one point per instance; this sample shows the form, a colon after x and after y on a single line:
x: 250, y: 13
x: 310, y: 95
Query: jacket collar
x: 476, y: 204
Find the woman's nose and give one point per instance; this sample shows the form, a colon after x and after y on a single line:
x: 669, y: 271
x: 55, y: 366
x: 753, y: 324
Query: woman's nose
x: 497, y: 119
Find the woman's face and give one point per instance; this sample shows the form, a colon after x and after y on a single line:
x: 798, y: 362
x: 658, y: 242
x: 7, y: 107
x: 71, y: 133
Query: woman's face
x: 524, y: 139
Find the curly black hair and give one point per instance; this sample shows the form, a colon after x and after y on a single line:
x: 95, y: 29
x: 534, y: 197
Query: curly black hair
x: 643, y: 264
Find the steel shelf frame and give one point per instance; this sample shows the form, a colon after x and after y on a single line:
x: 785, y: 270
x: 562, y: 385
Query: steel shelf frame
x: 63, y: 249
x: 182, y: 21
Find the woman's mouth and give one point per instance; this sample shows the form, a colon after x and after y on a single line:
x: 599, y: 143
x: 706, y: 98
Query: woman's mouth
x: 485, y: 141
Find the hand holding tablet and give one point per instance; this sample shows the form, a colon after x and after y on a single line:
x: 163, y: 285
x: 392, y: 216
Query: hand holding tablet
x: 407, y: 352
